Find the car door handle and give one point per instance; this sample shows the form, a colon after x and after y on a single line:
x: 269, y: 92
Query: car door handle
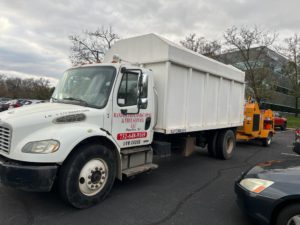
x: 147, y: 123
x: 124, y: 111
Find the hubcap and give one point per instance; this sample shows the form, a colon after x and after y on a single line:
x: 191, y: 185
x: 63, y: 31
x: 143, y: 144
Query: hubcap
x: 269, y: 140
x: 229, y: 145
x: 93, y: 177
x: 96, y: 177
x: 295, y: 220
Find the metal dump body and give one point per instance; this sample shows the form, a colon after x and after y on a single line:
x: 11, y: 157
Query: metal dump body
x: 194, y: 92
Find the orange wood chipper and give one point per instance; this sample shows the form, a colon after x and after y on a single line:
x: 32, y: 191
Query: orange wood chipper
x: 258, y: 124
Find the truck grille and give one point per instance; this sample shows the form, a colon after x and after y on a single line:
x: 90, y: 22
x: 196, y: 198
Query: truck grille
x: 5, y: 136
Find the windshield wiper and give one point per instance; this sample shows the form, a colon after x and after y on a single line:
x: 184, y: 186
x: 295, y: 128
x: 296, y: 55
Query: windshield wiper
x: 76, y: 100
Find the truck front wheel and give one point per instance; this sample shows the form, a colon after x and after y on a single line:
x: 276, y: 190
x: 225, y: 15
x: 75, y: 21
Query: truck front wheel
x: 225, y: 144
x: 267, y: 141
x: 88, y: 176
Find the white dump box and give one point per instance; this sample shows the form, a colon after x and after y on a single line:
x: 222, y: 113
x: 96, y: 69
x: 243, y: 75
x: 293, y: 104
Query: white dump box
x: 194, y: 92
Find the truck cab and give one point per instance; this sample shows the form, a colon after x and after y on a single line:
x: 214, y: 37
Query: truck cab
x: 97, y: 106
x: 122, y: 95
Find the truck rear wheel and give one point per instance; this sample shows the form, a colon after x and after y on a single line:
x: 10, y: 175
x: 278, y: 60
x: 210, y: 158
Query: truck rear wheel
x: 225, y: 144
x: 212, y: 144
x: 88, y: 176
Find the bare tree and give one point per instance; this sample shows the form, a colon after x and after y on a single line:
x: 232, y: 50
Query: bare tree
x: 91, y: 45
x: 3, y: 89
x: 251, y: 44
x: 202, y: 46
x: 14, y: 87
x: 291, y: 50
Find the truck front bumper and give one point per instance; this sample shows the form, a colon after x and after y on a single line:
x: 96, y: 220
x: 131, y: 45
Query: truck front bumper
x: 27, y: 176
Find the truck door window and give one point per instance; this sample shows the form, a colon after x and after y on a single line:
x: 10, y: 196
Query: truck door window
x: 128, y: 92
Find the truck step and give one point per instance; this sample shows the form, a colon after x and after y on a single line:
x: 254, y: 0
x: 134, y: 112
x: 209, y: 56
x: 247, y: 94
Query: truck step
x: 139, y: 169
x: 130, y: 151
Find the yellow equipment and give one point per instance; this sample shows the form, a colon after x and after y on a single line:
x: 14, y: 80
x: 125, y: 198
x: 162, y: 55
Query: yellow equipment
x: 258, y: 124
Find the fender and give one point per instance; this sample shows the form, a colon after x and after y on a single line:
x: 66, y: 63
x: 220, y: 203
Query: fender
x: 109, y: 142
x: 283, y: 202
x: 68, y: 136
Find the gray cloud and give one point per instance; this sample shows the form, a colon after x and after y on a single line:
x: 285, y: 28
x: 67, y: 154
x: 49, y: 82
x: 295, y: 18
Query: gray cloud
x: 34, y: 34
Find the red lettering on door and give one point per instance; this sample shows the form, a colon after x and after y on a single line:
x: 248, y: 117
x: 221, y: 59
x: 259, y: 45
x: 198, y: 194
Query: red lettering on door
x: 132, y: 135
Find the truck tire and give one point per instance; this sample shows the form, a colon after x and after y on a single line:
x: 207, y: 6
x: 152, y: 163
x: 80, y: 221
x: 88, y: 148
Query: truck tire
x: 283, y: 127
x: 225, y: 144
x: 267, y: 141
x: 289, y: 215
x: 88, y: 176
x: 212, y: 144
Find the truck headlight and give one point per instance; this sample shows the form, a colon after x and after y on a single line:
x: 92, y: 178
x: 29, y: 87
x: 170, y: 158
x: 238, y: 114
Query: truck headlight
x: 41, y: 147
x: 255, y: 185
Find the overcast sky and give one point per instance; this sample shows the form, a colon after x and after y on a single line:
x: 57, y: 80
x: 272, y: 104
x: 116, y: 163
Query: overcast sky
x: 34, y: 33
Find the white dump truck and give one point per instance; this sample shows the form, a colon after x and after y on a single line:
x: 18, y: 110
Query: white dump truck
x: 107, y: 120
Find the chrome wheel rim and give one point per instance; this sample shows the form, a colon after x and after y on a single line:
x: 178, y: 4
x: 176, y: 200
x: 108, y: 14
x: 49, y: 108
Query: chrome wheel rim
x: 229, y: 146
x: 295, y: 220
x: 269, y: 140
x: 93, y: 177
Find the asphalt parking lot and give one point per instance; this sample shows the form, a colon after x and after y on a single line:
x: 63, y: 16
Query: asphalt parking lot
x: 197, y: 190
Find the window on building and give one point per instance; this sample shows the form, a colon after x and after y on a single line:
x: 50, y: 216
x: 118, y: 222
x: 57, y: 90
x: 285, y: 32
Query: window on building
x: 282, y: 90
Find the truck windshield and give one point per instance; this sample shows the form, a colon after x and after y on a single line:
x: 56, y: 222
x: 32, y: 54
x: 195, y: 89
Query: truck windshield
x: 89, y: 86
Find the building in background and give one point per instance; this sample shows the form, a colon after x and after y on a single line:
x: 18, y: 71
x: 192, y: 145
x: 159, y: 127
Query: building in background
x: 279, y: 98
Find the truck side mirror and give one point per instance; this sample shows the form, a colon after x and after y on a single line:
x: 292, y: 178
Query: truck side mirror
x: 144, y: 85
x: 143, y: 91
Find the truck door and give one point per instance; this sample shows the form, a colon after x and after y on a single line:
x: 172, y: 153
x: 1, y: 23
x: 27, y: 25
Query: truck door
x: 132, y: 121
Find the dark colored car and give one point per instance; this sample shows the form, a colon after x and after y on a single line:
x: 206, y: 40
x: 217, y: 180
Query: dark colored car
x: 3, y: 106
x: 270, y: 192
x: 280, y: 121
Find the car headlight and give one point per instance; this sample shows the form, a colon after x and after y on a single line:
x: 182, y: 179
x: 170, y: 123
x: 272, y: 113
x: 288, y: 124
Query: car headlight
x: 255, y: 185
x: 41, y: 147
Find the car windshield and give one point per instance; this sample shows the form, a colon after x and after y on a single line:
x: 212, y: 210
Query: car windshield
x: 89, y: 86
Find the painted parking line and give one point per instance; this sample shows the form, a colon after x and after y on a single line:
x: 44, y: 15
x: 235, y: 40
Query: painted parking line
x: 290, y: 154
x: 283, y: 131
